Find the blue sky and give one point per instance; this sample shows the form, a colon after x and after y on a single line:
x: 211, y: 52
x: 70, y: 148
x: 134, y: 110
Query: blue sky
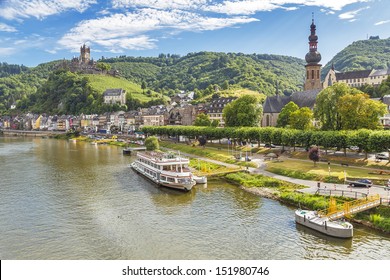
x: 37, y: 31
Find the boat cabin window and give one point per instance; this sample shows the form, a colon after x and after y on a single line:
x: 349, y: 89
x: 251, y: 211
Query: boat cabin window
x: 171, y: 179
x: 163, y: 178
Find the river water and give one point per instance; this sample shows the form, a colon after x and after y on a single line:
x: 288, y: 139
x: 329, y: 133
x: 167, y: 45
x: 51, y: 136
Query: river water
x: 73, y: 200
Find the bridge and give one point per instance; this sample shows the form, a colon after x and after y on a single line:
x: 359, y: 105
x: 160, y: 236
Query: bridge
x: 349, y: 208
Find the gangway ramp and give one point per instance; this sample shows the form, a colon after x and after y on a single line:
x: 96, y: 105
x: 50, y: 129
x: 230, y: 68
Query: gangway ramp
x: 351, y: 207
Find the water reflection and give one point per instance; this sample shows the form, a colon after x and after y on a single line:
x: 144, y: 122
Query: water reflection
x: 305, y: 231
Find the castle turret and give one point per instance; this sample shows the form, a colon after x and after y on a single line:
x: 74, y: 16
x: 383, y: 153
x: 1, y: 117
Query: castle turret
x: 313, y: 57
x: 85, y: 54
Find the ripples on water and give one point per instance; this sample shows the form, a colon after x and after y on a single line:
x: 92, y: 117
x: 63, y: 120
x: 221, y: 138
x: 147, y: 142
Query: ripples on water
x: 66, y: 200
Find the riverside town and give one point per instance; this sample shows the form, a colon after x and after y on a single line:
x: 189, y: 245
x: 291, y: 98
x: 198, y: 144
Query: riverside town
x: 208, y: 155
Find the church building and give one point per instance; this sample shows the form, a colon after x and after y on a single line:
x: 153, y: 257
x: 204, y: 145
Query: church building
x: 274, y: 104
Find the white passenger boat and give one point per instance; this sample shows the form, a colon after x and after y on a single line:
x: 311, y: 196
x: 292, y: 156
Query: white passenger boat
x: 312, y: 220
x: 165, y: 169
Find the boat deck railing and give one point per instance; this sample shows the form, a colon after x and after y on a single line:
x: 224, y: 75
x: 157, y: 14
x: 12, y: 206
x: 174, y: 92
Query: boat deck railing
x: 163, y: 157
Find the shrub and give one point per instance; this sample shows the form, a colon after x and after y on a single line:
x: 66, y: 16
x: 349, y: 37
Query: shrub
x: 376, y: 219
x: 151, y: 143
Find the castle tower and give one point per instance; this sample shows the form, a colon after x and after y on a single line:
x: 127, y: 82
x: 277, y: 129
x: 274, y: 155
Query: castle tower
x: 85, y: 54
x: 313, y: 57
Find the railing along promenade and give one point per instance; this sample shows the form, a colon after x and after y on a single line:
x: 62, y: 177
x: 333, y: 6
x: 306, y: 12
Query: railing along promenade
x: 32, y: 133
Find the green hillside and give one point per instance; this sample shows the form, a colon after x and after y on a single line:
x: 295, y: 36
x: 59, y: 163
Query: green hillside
x: 101, y: 82
x: 362, y: 55
x: 169, y: 73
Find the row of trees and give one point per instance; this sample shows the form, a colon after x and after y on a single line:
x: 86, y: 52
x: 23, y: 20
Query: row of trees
x: 366, y: 140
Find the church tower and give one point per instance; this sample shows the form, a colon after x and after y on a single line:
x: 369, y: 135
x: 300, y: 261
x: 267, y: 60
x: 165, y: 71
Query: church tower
x: 313, y: 57
x: 85, y: 54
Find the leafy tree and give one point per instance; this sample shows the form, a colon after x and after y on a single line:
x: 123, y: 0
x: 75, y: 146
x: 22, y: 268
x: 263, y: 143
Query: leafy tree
x: 225, y: 85
x: 151, y: 143
x: 143, y: 86
x: 244, y: 111
x: 314, y: 154
x: 215, y: 123
x: 327, y: 104
x: 359, y: 111
x: 384, y: 88
x: 104, y: 67
x: 202, y: 120
x: 285, y: 113
x: 301, y: 119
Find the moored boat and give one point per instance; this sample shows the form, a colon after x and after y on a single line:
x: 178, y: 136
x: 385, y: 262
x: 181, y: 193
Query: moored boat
x: 165, y: 169
x: 200, y: 179
x: 335, y: 228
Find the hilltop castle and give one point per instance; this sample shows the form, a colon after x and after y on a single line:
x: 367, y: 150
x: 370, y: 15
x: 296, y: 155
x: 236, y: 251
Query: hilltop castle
x: 84, y: 63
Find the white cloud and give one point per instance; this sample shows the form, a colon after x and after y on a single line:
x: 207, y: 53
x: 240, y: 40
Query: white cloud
x: 15, y: 9
x: 160, y: 4
x: 247, y: 7
x: 7, y: 51
x: 327, y: 12
x: 232, y: 6
x: 51, y: 51
x: 350, y: 16
x: 131, y: 30
x: 382, y: 22
x: 135, y: 43
x: 243, y: 7
x: 6, y: 28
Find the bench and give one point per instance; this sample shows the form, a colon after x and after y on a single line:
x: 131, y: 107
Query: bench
x: 344, y: 164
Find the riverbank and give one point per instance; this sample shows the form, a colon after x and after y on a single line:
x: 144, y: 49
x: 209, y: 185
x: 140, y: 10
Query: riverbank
x: 378, y: 218
x: 270, y: 187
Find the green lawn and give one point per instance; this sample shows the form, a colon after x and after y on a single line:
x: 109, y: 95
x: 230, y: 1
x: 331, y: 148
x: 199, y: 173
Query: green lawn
x: 321, y: 169
x: 207, y: 152
x: 103, y: 82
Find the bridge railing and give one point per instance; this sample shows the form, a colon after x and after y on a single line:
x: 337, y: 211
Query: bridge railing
x: 352, y: 207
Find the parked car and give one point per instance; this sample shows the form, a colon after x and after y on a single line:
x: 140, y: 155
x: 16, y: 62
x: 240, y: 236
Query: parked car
x: 354, y: 148
x: 268, y: 145
x: 382, y: 156
x: 361, y: 183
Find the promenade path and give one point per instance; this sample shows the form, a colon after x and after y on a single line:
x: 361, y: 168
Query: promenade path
x: 311, y: 186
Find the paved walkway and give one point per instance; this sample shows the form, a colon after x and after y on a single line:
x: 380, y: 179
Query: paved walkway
x: 312, y: 186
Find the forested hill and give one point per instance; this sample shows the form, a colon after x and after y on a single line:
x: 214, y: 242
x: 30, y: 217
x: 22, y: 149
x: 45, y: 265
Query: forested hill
x: 256, y: 72
x: 36, y: 89
x: 11, y: 69
x: 362, y: 55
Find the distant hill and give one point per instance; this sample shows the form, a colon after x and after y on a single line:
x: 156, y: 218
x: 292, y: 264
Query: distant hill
x: 362, y: 55
x: 170, y: 73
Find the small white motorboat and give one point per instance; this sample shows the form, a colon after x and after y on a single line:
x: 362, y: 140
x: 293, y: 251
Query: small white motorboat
x: 335, y: 228
x: 200, y: 179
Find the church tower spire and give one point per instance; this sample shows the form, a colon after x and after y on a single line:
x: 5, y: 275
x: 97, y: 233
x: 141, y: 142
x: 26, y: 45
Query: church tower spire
x: 313, y: 57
